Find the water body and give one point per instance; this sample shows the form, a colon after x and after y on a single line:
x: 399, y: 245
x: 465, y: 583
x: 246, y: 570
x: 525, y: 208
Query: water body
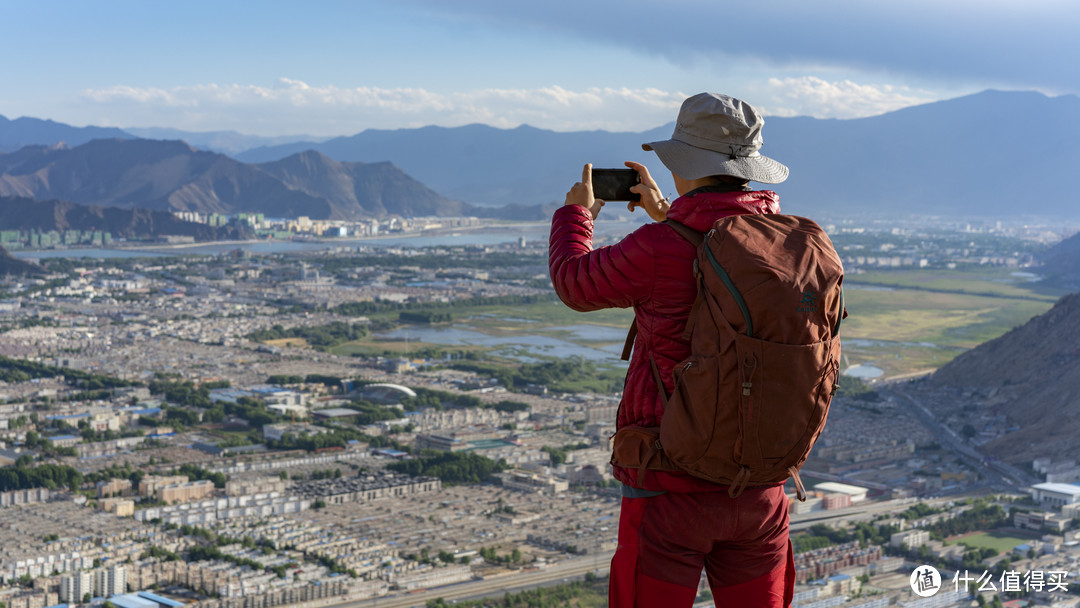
x: 865, y: 343
x: 494, y: 236
x: 463, y: 239
x: 90, y: 253
x: 865, y: 287
x: 509, y: 346
x: 595, y: 333
x: 864, y: 371
x: 1029, y: 277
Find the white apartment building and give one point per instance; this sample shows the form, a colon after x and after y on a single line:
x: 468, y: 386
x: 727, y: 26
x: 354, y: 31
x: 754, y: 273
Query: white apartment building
x: 74, y: 587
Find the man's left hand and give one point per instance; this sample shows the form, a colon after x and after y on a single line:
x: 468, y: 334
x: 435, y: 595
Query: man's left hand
x: 581, y: 193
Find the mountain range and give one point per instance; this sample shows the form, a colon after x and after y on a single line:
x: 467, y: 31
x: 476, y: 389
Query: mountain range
x: 26, y: 131
x: 992, y: 154
x: 1032, y: 375
x: 173, y: 176
x: 1000, y: 154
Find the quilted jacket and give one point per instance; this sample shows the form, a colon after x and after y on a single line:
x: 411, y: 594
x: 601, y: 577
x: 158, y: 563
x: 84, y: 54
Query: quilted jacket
x: 651, y: 270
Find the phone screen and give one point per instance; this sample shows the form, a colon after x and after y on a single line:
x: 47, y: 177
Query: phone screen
x: 615, y: 184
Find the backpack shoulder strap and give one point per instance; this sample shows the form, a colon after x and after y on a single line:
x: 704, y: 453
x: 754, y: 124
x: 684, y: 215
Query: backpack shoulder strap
x: 629, y: 344
x: 693, y: 236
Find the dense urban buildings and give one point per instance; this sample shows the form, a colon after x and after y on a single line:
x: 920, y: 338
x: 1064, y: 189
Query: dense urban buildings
x: 234, y: 429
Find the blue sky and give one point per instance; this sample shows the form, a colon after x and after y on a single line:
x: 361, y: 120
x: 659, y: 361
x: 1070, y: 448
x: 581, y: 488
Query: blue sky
x: 336, y: 68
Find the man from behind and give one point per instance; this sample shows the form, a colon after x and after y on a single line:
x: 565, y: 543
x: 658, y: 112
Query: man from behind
x: 672, y: 524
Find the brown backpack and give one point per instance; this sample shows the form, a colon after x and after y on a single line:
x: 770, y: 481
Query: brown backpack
x: 754, y: 394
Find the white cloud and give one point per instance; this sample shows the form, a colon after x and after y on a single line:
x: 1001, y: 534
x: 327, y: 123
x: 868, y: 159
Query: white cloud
x: 812, y: 96
x: 294, y: 106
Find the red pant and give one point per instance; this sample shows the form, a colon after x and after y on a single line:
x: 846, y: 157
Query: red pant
x: 742, y: 543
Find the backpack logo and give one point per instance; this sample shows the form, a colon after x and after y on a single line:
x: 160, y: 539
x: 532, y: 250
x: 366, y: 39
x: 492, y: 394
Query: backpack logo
x: 809, y: 302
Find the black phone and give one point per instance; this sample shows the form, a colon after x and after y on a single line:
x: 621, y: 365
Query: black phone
x: 615, y: 184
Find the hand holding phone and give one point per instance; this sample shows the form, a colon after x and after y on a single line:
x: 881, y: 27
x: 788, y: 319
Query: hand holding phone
x: 581, y: 193
x: 651, y: 199
x: 615, y: 184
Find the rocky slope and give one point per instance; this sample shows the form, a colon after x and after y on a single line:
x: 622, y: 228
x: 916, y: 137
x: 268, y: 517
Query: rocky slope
x: 173, y: 176
x: 1032, y: 376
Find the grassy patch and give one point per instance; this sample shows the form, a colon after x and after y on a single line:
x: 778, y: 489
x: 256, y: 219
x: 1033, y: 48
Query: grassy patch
x: 1002, y: 542
x: 547, y: 313
x: 990, y: 281
x: 942, y: 319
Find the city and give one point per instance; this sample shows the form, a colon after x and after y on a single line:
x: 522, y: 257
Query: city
x: 241, y: 429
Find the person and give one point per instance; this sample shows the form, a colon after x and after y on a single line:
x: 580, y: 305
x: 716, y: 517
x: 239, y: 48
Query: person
x: 673, y: 525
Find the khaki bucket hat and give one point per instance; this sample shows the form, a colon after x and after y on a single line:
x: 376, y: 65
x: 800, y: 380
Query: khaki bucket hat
x: 718, y: 135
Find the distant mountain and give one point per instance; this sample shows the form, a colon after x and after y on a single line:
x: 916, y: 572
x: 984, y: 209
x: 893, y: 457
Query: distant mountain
x: 147, y: 174
x: 992, y: 154
x: 481, y: 164
x: 361, y: 189
x: 989, y: 154
x: 173, y: 176
x: 17, y: 213
x: 22, y: 132
x: 1032, y: 376
x: 1061, y: 264
x: 224, y: 142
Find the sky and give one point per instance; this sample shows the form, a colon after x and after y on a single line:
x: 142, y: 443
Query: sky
x: 327, y: 68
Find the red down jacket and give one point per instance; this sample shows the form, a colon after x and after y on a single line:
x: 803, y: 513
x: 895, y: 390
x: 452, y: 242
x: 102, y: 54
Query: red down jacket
x: 651, y: 270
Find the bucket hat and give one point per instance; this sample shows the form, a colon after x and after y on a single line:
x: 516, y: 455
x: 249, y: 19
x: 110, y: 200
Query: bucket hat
x: 718, y: 135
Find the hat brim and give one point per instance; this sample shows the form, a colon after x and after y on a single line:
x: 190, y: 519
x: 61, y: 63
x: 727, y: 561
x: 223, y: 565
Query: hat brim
x: 691, y: 162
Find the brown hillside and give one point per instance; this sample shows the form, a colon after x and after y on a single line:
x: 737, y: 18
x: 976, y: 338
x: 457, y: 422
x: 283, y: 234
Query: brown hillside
x: 1032, y: 376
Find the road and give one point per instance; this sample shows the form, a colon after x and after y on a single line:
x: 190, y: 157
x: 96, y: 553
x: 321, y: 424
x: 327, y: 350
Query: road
x: 1002, y: 476
x: 492, y: 587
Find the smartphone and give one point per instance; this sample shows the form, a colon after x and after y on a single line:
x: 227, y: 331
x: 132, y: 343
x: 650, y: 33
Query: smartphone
x: 615, y: 184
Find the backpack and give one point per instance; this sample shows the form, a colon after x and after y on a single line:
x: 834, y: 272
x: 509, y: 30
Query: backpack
x: 754, y: 394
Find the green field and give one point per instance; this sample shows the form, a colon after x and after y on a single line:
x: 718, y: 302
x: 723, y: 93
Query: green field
x: 998, y: 541
x: 912, y: 321
x: 904, y: 321
x: 540, y: 319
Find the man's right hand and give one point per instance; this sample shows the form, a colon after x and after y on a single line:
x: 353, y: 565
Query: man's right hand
x: 652, y: 201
